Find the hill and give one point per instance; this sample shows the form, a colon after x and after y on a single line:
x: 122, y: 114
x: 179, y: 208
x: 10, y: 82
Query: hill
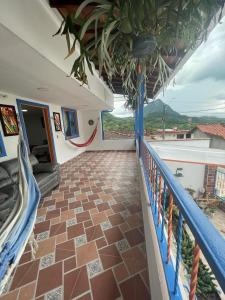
x: 153, y: 113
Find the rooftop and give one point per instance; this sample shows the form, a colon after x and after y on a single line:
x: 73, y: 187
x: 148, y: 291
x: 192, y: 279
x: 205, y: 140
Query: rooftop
x: 213, y: 129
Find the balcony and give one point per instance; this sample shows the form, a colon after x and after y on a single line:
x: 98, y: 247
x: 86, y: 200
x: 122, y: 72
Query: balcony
x: 90, y: 235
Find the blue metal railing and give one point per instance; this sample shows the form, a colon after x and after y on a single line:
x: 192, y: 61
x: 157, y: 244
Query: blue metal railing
x: 160, y: 184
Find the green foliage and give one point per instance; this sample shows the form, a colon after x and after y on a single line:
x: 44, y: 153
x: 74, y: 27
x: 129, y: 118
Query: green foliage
x: 206, y: 288
x: 118, y: 24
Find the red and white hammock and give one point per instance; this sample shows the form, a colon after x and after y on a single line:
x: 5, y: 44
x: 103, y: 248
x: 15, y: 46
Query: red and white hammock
x: 88, y: 142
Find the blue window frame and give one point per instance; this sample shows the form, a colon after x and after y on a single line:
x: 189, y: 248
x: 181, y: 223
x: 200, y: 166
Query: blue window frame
x: 70, y: 123
x: 2, y: 147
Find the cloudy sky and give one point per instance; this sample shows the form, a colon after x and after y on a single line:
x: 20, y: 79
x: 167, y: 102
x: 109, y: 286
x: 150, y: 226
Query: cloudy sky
x: 199, y: 87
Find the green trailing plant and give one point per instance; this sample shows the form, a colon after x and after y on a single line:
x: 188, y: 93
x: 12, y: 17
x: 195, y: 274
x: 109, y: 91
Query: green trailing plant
x: 118, y: 35
x: 206, y: 288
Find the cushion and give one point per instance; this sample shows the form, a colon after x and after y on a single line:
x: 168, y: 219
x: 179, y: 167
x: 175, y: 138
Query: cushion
x: 5, y: 179
x: 45, y: 168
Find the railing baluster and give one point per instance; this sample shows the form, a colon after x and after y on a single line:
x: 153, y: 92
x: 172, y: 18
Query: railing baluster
x: 150, y: 169
x: 163, y: 210
x: 159, y: 198
x: 170, y: 227
x: 179, y: 248
x: 156, y: 189
x: 194, y: 273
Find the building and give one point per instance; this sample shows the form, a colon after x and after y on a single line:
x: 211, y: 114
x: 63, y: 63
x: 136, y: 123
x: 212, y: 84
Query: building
x: 216, y: 132
x: 104, y: 231
x: 171, y: 134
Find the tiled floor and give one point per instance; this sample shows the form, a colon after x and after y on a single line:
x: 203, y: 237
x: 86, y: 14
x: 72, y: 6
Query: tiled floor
x: 90, y: 235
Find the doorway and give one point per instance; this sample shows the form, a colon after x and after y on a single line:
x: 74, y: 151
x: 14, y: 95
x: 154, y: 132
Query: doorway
x: 35, y: 122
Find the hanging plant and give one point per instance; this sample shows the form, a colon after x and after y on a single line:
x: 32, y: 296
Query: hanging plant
x: 118, y: 35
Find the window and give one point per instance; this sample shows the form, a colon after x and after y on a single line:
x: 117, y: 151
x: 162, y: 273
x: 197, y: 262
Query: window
x: 188, y: 135
x: 70, y: 123
x: 180, y: 136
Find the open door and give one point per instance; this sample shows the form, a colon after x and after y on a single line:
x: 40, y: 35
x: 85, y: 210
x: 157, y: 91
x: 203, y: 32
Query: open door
x: 36, y: 127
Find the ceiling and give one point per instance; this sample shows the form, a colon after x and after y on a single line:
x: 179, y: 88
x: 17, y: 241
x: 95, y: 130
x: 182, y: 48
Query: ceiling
x: 25, y: 72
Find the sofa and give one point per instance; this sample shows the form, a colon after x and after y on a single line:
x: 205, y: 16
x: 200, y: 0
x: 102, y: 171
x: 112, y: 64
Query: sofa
x: 47, y: 176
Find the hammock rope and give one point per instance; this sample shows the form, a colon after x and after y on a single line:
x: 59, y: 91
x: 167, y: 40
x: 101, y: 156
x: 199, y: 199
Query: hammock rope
x: 88, y: 142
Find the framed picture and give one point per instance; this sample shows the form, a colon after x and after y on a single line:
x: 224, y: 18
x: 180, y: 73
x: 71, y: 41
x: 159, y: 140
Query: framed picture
x: 9, y: 120
x: 57, y: 121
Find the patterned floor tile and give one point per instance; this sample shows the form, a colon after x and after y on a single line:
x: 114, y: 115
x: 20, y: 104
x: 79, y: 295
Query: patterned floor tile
x: 103, y: 247
x: 47, y: 260
x: 94, y: 268
x: 80, y: 240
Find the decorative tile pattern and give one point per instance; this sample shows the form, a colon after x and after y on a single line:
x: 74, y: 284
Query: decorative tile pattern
x: 90, y: 235
x: 71, y: 222
x: 105, y: 225
x: 80, y: 240
x: 40, y: 219
x: 47, y: 260
x: 78, y: 210
x: 94, y: 267
x: 56, y: 294
x: 122, y: 245
x: 42, y: 236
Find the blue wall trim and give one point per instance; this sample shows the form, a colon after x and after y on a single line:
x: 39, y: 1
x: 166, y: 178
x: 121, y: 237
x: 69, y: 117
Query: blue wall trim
x: 25, y: 102
x: 3, y: 153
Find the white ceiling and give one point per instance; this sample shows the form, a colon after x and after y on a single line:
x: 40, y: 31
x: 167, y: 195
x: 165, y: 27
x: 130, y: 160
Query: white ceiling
x: 23, y: 71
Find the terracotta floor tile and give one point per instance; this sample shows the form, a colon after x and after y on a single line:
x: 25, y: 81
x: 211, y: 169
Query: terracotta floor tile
x: 84, y: 216
x: 27, y: 291
x: 113, y: 235
x: 41, y: 211
x: 64, y: 250
x: 55, y: 221
x: 116, y: 219
x: 48, y: 203
x: 103, y: 206
x: 109, y: 256
x: 134, y: 289
x: 93, y: 197
x: 10, y: 296
x: 93, y: 233
x: 120, y: 272
x: 58, y: 229
x: 67, y: 214
x: 49, y: 278
x: 134, y: 237
x: 74, y: 204
x: 61, y: 204
x: 75, y: 283
x: 25, y: 273
x: 86, y: 253
x: 134, y: 260
x: 93, y: 211
x: 99, y: 218
x: 45, y: 247
x: 88, y: 223
x: 124, y: 227
x: 52, y: 214
x: 85, y: 297
x: 134, y: 221
x: 40, y: 227
x: 89, y: 205
x: 110, y: 290
x: 101, y: 243
x: 25, y: 258
x: 81, y: 197
x: 109, y: 212
x: 75, y: 230
x: 69, y: 264
x: 61, y: 238
x: 117, y: 207
x: 134, y: 208
x: 145, y: 277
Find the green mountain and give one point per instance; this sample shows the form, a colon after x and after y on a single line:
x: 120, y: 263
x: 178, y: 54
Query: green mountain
x: 153, y: 114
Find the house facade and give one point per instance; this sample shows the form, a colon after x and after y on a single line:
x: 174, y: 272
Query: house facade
x: 216, y: 132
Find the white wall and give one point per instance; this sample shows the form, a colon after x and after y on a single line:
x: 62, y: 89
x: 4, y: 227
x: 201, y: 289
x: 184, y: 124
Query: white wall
x: 202, y: 142
x: 193, y: 174
x: 99, y: 144
x: 64, y: 150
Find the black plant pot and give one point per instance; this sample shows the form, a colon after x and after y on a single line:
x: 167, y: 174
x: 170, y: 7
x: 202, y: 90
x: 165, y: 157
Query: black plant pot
x: 143, y: 46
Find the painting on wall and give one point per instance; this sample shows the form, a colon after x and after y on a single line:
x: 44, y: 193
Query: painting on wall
x: 2, y: 147
x: 9, y: 120
x: 57, y: 121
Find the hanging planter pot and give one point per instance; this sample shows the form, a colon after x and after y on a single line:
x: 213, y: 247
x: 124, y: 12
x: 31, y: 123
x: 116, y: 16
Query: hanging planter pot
x: 143, y: 46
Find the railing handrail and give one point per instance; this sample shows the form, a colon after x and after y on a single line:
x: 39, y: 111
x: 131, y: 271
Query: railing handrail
x: 211, y: 242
